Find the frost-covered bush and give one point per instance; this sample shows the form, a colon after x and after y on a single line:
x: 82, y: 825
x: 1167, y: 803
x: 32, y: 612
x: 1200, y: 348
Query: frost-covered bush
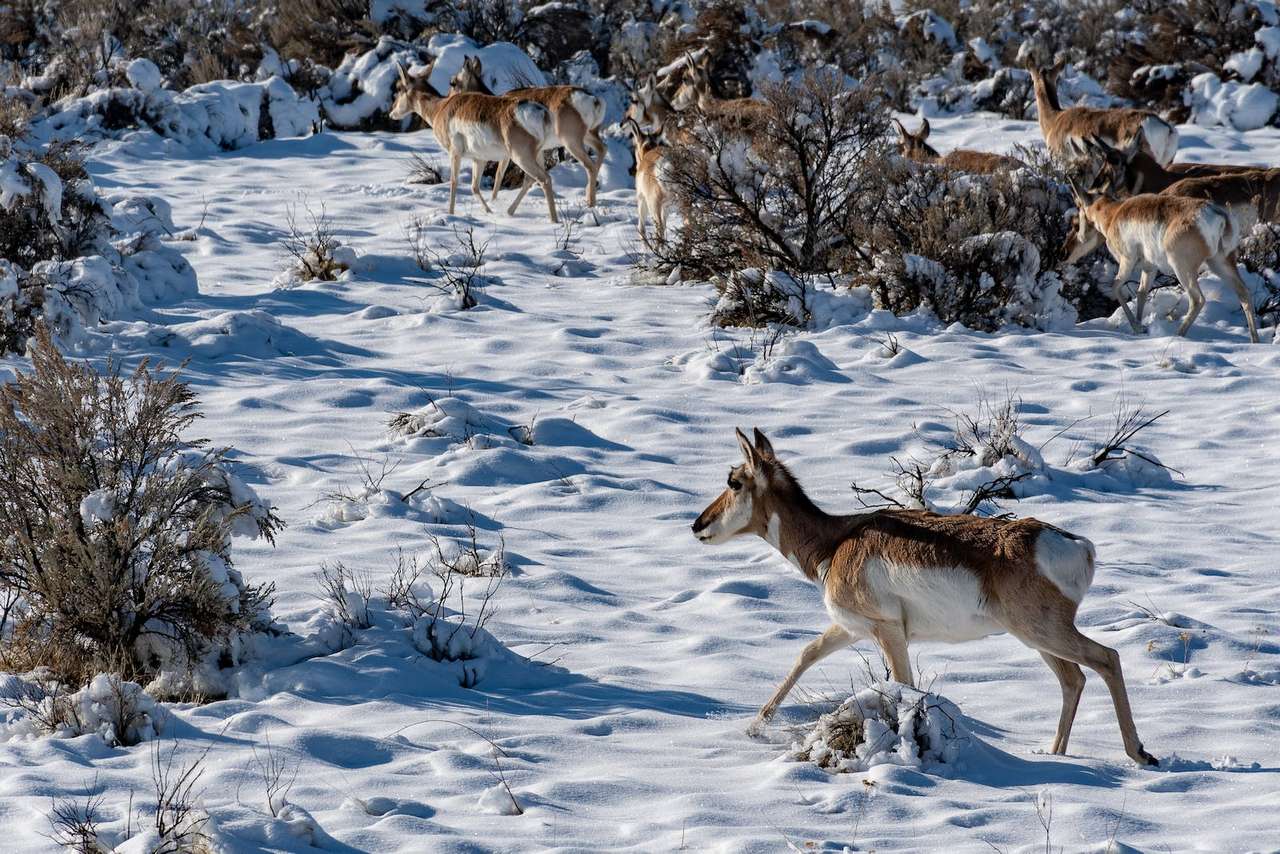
x: 788, y: 190
x: 754, y: 297
x: 1259, y: 253
x: 115, y: 530
x: 71, y: 256
x: 222, y: 114
x: 886, y: 724
x: 982, y: 250
x: 119, y: 712
x: 314, y: 250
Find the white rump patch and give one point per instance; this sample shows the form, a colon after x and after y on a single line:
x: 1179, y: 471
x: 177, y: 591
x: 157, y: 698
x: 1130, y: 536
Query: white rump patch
x: 1065, y: 561
x: 589, y: 107
x: 1161, y: 138
x: 535, y: 119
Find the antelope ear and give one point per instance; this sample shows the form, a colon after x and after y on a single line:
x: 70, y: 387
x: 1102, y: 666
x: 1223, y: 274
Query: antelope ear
x: 748, y: 451
x: 1056, y: 68
x: 924, y: 129
x: 763, y: 446
x: 902, y: 131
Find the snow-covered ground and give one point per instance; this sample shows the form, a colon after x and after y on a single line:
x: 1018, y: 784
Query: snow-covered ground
x: 647, y: 652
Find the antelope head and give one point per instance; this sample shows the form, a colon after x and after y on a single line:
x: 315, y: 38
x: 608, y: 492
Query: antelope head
x: 741, y: 508
x: 413, y: 94
x: 470, y: 78
x: 1084, y: 236
x: 649, y: 108
x: 696, y: 85
x: 913, y: 145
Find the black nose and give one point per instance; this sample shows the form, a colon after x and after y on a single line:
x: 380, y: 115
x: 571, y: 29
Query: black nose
x: 698, y: 525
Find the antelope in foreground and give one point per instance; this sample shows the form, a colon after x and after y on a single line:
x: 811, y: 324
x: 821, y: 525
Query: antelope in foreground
x: 901, y: 575
x: 1165, y: 233
x: 651, y: 194
x: 914, y: 147
x: 481, y: 128
x: 576, y: 115
x: 1066, y: 130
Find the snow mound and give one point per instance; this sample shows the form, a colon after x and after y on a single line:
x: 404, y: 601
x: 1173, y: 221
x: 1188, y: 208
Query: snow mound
x: 448, y: 417
x: 361, y: 89
x: 506, y: 66
x: 886, y: 724
x: 222, y: 114
x: 1244, y: 106
x: 119, y: 712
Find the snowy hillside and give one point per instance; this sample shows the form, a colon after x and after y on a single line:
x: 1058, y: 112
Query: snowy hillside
x: 580, y: 417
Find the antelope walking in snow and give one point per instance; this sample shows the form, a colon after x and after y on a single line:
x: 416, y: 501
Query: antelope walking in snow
x: 576, y: 115
x: 913, y: 146
x: 1065, y: 131
x: 651, y: 193
x: 481, y: 128
x: 1162, y: 233
x: 901, y: 575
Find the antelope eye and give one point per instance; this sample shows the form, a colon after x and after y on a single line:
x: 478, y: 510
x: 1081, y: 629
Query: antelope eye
x: 734, y: 484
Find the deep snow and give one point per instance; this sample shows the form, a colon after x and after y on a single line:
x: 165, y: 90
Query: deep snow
x: 649, y: 652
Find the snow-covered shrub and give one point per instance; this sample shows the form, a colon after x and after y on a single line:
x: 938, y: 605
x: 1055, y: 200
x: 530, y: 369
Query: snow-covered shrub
x: 71, y: 256
x: 983, y: 458
x: 119, y: 712
x: 222, y: 114
x: 447, y: 596
x: 346, y: 594
x: 983, y: 250
x: 361, y: 88
x: 48, y: 210
x: 315, y: 251
x: 115, y: 530
x: 886, y: 724
x: 757, y: 298
x: 787, y: 192
x: 1259, y: 253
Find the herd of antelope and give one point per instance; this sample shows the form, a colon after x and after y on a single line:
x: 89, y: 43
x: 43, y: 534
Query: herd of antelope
x: 897, y: 575
x: 1153, y: 215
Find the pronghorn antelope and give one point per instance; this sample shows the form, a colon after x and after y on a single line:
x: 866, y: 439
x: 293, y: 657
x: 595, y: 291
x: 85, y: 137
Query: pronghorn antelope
x: 651, y: 194
x: 914, y: 147
x: 649, y: 107
x: 1066, y: 130
x: 695, y: 91
x: 901, y: 575
x: 481, y: 128
x: 1162, y: 233
x: 1133, y: 171
x: 575, y: 113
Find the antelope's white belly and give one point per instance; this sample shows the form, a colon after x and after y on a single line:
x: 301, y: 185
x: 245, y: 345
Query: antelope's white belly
x: 933, y: 604
x: 479, y: 141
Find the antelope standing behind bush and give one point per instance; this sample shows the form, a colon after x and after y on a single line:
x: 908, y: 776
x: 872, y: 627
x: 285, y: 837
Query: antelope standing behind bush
x: 901, y: 575
x: 1065, y: 131
x: 576, y: 116
x: 481, y: 128
x: 913, y: 146
x: 1165, y: 233
x: 741, y: 114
